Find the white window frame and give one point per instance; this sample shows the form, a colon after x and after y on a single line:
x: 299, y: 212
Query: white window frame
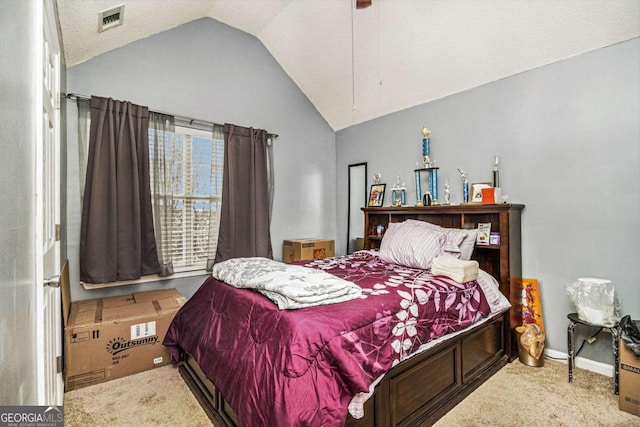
x: 189, y: 131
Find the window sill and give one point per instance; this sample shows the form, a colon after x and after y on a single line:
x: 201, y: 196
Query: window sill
x: 145, y: 279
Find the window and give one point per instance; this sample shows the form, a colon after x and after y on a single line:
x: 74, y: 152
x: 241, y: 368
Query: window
x: 190, y: 215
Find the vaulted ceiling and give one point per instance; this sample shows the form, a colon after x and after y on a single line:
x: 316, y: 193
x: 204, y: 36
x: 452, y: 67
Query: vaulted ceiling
x: 358, y: 64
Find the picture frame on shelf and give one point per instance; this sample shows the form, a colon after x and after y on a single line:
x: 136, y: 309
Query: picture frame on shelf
x: 476, y: 191
x: 376, y: 195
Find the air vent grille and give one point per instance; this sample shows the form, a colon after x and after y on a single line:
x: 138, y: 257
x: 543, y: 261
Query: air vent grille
x: 110, y: 18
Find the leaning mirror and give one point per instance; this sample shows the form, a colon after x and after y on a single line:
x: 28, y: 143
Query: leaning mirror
x: 357, y: 200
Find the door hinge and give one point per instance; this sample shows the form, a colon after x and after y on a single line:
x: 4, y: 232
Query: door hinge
x: 59, y: 364
x: 57, y: 232
x: 58, y: 100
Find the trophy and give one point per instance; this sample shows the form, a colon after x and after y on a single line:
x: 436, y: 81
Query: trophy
x: 465, y: 186
x: 376, y: 178
x: 447, y: 192
x: 398, y: 193
x: 426, y: 147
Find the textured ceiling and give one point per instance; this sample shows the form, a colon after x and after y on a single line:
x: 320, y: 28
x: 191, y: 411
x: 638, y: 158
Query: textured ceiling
x: 356, y: 65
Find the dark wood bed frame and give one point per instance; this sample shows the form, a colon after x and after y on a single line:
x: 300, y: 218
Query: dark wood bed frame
x: 420, y: 390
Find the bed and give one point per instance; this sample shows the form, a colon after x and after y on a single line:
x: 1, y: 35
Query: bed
x: 409, y: 347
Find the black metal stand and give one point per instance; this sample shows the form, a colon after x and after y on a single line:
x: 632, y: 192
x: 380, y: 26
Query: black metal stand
x: 614, y: 330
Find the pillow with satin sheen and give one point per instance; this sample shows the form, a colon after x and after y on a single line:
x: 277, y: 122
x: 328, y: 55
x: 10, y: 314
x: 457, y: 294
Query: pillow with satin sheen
x: 406, y: 244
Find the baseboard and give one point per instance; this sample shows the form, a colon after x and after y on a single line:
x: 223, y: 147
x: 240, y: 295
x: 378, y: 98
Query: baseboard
x: 581, y: 362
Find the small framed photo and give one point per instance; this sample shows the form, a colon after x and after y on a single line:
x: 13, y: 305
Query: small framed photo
x: 476, y: 191
x: 376, y: 195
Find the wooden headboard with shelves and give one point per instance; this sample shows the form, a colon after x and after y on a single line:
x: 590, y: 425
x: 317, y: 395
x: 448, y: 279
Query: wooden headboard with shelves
x: 503, y: 261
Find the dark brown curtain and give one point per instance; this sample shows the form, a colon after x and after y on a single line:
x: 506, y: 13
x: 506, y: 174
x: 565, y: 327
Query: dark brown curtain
x: 117, y: 240
x: 244, y: 218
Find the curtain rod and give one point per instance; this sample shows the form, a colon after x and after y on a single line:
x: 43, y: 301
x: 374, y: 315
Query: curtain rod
x: 188, y: 119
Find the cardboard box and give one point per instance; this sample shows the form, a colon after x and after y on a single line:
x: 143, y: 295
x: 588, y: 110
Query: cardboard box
x: 307, y: 249
x: 629, y: 381
x: 109, y: 338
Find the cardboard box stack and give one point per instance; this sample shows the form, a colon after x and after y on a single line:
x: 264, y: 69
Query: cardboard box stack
x: 108, y: 338
x: 629, y: 380
x: 307, y: 249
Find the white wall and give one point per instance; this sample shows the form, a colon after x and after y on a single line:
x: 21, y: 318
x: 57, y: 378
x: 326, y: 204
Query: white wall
x: 210, y: 71
x: 568, y: 135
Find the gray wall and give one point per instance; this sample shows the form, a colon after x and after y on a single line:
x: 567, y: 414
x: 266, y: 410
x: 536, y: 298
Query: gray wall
x: 569, y: 142
x: 17, y: 211
x: 210, y: 71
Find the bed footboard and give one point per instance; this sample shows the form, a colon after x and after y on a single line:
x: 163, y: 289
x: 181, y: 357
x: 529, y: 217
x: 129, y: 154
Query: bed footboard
x: 417, y: 392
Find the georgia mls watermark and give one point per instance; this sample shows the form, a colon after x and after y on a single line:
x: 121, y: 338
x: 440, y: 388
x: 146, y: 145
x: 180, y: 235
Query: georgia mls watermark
x: 31, y: 416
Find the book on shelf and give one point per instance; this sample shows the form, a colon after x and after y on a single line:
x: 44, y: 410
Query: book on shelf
x: 484, y: 231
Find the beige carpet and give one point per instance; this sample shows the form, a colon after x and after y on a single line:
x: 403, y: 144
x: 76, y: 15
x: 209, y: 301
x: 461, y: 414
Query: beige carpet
x: 158, y: 397
x: 518, y: 395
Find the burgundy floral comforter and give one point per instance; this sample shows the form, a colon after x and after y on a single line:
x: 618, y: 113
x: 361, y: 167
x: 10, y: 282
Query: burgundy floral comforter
x: 303, y: 367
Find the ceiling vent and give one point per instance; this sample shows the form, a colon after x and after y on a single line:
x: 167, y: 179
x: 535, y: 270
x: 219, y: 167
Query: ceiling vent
x: 110, y: 18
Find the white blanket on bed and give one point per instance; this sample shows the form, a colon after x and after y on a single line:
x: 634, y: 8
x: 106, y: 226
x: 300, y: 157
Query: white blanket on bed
x: 289, y: 286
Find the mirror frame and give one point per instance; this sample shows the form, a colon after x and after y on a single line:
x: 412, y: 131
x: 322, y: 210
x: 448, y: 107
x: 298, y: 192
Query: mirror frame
x: 349, y: 207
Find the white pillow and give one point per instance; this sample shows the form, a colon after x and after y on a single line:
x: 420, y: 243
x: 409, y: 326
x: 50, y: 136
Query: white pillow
x: 411, y: 246
x: 454, y: 236
x: 468, y: 243
x: 460, y: 242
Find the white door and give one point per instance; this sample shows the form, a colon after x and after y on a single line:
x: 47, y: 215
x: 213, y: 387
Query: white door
x: 47, y: 186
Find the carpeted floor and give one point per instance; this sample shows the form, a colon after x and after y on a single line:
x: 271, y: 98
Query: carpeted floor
x: 158, y: 397
x: 518, y: 395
